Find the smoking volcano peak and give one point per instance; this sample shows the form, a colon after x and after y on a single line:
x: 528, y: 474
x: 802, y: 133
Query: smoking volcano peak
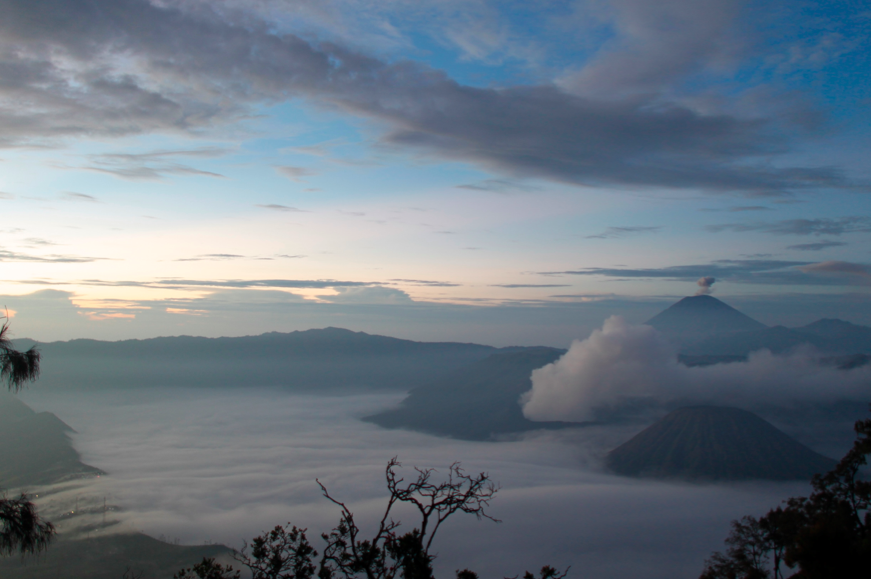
x: 701, y: 316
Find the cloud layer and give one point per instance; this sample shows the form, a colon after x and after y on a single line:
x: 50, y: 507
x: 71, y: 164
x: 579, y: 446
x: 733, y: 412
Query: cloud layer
x: 223, y: 465
x: 624, y: 363
x: 124, y: 67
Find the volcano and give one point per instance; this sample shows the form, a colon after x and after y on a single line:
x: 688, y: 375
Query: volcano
x: 716, y: 443
x: 699, y: 317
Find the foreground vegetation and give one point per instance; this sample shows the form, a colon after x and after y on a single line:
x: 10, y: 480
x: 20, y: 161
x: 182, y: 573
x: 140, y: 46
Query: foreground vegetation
x: 21, y: 529
x: 285, y: 552
x: 824, y: 535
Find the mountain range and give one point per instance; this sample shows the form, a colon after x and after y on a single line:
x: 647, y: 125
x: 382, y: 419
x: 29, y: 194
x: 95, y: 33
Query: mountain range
x: 705, y: 326
x: 706, y: 330
x: 322, y: 359
x: 476, y: 403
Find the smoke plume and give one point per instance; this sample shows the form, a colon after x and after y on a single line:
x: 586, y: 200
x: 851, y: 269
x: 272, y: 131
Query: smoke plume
x: 705, y: 285
x: 622, y: 363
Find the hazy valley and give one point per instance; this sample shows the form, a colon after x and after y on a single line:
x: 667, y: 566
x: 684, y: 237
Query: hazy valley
x: 202, y: 441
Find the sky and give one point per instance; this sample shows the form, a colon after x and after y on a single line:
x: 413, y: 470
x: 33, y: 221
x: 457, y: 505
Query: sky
x: 501, y: 172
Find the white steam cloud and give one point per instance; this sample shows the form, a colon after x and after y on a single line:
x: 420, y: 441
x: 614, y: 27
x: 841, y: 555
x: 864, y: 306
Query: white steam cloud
x: 622, y: 362
x: 705, y: 285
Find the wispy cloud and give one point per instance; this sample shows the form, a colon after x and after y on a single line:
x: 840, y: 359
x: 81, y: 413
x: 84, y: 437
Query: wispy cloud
x: 500, y: 186
x: 748, y: 271
x: 687, y: 272
x: 154, y: 165
x: 424, y: 282
x: 295, y: 173
x: 528, y: 285
x: 323, y: 149
x: 72, y: 196
x: 838, y: 268
x: 234, y: 256
x: 820, y: 226
x: 38, y: 242
x: 213, y: 257
x: 15, y: 256
x: 611, y: 123
x: 239, y: 283
x: 285, y: 208
x: 816, y: 246
x: 740, y: 209
x: 613, y: 232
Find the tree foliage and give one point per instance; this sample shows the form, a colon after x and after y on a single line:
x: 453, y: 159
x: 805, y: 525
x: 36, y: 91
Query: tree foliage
x: 208, y: 568
x: 285, y: 552
x: 16, y: 367
x: 827, y: 534
x: 21, y: 529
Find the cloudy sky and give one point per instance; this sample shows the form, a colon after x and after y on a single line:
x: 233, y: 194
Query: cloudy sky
x: 506, y: 172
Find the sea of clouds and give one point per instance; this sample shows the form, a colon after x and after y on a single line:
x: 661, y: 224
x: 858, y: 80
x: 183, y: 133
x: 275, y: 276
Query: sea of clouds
x: 223, y: 465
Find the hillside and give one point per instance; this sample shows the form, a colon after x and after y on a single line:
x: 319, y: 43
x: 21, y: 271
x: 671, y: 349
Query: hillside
x: 778, y: 340
x: 35, y: 448
x: 476, y: 403
x: 715, y: 443
x: 109, y: 557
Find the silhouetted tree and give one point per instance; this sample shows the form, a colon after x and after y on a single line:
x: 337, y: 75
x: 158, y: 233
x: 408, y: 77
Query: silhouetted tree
x: 21, y: 529
x: 208, y: 569
x: 282, y: 553
x: 16, y: 367
x: 285, y: 553
x: 827, y: 534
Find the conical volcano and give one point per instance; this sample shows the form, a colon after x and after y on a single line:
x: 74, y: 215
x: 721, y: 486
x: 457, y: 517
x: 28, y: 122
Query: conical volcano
x: 716, y: 443
x: 698, y: 317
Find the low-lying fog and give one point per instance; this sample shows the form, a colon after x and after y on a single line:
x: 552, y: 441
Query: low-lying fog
x: 222, y: 465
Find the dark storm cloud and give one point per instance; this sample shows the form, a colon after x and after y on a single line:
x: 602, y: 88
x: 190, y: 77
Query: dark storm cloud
x: 110, y: 68
x: 816, y: 246
x: 612, y: 232
x: 821, y: 226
